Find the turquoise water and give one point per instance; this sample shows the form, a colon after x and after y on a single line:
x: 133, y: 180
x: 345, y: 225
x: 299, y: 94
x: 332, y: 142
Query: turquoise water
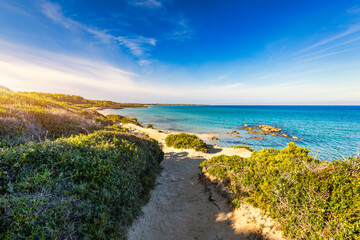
x: 330, y: 132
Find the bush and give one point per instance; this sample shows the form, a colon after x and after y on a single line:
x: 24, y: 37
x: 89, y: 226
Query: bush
x: 186, y: 141
x: 114, y: 117
x: 150, y: 126
x: 83, y: 187
x: 311, y: 199
x: 121, y: 119
x: 243, y: 146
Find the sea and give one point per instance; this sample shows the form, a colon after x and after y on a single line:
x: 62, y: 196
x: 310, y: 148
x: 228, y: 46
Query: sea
x: 329, y: 132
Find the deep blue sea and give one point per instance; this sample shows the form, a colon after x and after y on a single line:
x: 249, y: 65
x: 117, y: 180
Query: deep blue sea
x: 330, y: 132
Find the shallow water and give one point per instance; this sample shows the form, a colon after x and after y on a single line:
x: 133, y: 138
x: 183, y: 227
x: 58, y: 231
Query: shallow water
x: 330, y: 132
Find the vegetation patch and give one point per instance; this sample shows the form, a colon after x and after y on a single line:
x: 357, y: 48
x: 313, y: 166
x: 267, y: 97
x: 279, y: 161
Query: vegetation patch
x: 121, y: 119
x: 310, y: 199
x: 80, y: 187
x: 25, y: 117
x: 186, y: 141
x: 68, y: 172
x: 78, y: 101
x: 243, y: 146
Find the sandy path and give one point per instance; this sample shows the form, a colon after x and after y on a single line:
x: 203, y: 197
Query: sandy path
x: 179, y: 207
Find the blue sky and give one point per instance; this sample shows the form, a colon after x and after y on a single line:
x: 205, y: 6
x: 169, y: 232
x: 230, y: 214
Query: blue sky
x: 172, y: 51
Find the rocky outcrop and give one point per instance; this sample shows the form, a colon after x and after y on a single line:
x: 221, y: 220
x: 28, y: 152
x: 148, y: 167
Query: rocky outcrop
x: 214, y: 139
x: 258, y: 138
x: 268, y: 128
x: 256, y: 132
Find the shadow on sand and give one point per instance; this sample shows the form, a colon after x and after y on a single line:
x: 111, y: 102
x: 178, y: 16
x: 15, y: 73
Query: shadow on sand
x: 187, y: 210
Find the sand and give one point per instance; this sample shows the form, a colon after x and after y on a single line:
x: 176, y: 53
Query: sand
x: 179, y: 207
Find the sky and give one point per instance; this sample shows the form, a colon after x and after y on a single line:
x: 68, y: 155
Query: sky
x: 179, y: 51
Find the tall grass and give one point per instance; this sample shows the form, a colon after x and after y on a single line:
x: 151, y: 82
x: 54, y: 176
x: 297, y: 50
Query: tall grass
x: 28, y: 117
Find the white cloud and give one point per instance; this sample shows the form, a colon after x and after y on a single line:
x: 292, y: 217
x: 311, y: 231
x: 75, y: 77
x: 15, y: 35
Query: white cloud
x: 144, y: 62
x: 28, y: 69
x: 223, y: 76
x: 350, y: 30
x: 182, y: 30
x: 328, y: 48
x: 22, y: 68
x: 147, y: 3
x: 15, y: 7
x: 137, y: 45
x: 354, y: 10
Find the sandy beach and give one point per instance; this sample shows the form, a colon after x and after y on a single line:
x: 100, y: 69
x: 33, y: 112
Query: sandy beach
x: 183, y: 207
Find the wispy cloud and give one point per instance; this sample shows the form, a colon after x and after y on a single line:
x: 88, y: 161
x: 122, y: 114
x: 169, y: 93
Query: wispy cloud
x: 223, y: 76
x: 15, y: 7
x: 31, y: 69
x: 326, y: 55
x: 137, y: 45
x: 350, y: 30
x: 147, y: 3
x: 354, y: 10
x: 328, y: 48
x: 183, y: 30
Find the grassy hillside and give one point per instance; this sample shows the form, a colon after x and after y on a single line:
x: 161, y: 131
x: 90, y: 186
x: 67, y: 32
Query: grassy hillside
x: 311, y: 199
x: 35, y: 117
x: 67, y: 172
x: 81, y: 102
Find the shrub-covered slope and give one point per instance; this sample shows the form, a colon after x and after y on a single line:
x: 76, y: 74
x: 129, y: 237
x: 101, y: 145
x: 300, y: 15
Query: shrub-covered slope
x: 311, y: 199
x: 80, y: 187
x: 65, y: 172
x: 186, y: 141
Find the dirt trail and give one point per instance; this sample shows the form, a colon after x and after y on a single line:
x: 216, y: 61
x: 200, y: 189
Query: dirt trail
x: 180, y: 208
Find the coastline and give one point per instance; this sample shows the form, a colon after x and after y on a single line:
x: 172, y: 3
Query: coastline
x: 180, y: 206
x: 328, y: 138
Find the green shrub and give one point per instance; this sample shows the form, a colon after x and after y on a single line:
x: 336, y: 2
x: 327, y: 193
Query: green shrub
x: 186, y: 141
x: 243, y: 146
x: 83, y: 187
x: 114, y: 117
x: 150, y: 126
x: 126, y: 120
x: 121, y: 119
x: 311, y: 199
